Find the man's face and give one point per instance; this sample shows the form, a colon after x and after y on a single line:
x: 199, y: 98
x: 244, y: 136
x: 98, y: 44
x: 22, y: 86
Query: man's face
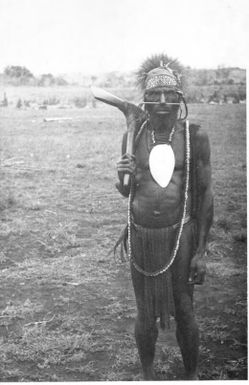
x: 162, y: 97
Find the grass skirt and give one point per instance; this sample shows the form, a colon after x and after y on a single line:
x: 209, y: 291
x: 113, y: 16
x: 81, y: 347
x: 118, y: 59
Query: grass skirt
x: 152, y: 250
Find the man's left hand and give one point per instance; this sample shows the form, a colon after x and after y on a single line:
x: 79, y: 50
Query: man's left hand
x: 197, y: 270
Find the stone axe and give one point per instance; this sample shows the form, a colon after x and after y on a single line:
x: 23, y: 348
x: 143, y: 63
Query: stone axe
x: 131, y: 112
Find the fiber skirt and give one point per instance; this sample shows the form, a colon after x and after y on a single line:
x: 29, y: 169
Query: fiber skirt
x: 152, y: 250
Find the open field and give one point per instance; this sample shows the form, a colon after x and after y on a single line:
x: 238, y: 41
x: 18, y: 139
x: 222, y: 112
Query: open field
x: 39, y: 94
x: 67, y: 308
x: 68, y: 94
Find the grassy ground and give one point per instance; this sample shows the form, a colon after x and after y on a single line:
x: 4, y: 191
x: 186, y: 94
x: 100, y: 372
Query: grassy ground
x: 66, y: 308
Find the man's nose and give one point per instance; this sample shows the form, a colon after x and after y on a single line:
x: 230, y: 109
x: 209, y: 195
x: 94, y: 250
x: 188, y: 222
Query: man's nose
x: 162, y: 98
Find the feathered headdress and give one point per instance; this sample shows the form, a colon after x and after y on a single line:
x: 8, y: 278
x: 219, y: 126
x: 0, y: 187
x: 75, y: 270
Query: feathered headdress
x: 160, y: 70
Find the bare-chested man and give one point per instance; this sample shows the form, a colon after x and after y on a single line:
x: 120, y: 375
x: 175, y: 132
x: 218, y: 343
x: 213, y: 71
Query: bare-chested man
x: 168, y: 224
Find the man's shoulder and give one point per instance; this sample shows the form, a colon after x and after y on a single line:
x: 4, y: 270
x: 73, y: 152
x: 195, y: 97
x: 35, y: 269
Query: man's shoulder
x: 193, y: 128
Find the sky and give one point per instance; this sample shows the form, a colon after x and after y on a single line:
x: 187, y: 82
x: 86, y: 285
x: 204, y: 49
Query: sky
x: 95, y: 36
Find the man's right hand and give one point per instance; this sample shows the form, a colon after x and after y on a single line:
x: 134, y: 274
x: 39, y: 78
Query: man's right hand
x: 126, y: 165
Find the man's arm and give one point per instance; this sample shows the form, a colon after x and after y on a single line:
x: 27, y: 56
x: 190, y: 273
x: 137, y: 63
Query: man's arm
x: 204, y: 206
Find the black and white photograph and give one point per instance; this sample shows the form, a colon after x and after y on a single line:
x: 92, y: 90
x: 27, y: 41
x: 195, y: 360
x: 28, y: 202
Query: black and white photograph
x: 123, y: 190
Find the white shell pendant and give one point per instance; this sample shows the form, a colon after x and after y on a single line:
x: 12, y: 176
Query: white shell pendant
x: 162, y: 164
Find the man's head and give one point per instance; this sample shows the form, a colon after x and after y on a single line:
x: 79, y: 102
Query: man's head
x: 163, y: 92
x: 162, y: 87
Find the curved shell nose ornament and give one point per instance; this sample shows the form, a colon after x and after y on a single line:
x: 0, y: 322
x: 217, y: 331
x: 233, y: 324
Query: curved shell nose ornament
x: 162, y: 164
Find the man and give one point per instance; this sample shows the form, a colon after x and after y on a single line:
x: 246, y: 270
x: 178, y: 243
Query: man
x: 169, y: 217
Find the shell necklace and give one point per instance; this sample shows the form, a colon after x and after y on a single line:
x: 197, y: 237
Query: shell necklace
x: 162, y: 159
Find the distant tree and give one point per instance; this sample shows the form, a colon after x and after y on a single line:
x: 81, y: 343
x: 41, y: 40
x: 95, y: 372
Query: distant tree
x: 60, y: 81
x: 202, y: 78
x: 46, y: 80
x: 222, y: 75
x: 18, y: 72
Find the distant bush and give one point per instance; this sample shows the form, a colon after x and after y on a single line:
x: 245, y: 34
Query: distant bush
x: 80, y: 101
x: 53, y: 101
x: 19, y: 103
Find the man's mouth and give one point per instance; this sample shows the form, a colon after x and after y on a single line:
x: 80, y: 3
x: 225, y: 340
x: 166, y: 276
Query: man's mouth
x: 163, y: 111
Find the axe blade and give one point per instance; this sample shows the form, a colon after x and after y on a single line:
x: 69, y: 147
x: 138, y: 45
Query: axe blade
x: 109, y: 98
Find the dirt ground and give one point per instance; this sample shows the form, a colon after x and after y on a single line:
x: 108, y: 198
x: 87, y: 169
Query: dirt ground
x: 67, y: 308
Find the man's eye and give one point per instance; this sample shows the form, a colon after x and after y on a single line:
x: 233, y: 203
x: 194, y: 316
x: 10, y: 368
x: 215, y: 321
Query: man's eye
x: 152, y: 95
x: 171, y: 99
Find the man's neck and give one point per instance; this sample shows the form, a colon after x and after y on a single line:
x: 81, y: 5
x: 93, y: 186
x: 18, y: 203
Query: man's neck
x: 162, y: 123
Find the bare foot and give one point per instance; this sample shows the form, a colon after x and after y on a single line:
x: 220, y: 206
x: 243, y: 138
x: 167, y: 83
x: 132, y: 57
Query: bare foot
x: 149, y: 374
x: 191, y: 377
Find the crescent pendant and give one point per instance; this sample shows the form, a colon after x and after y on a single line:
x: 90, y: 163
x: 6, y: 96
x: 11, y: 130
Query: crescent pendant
x: 162, y: 164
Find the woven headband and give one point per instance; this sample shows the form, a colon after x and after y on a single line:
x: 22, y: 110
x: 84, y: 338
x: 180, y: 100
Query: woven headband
x: 163, y: 77
x: 161, y: 81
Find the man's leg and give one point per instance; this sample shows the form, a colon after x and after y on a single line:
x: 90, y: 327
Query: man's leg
x: 146, y: 331
x: 146, y: 337
x: 187, y: 336
x: 186, y: 327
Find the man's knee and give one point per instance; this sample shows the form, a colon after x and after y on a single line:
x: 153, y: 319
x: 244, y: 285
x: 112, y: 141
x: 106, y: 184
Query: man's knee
x: 146, y: 326
x: 184, y: 313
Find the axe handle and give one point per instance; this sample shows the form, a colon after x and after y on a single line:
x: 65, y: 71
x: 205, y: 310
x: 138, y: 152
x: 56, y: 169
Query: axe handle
x: 129, y: 150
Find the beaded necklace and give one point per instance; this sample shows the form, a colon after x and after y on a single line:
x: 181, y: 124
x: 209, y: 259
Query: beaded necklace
x: 153, y: 137
x: 180, y: 229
